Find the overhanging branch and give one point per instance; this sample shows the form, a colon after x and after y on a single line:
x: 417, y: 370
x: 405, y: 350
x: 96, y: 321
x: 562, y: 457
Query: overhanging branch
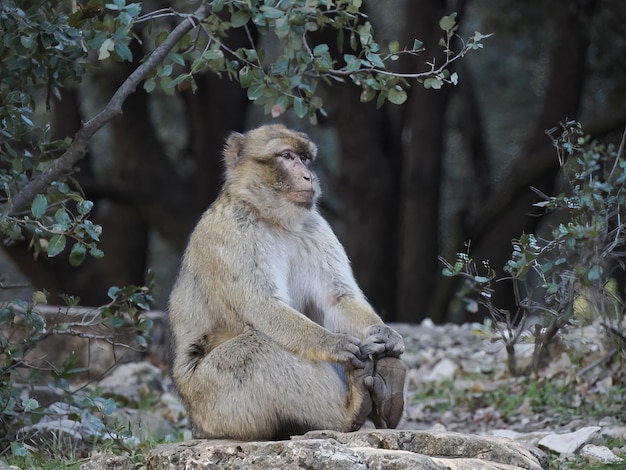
x: 78, y: 147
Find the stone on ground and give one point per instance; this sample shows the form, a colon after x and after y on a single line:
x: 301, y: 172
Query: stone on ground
x: 380, y: 449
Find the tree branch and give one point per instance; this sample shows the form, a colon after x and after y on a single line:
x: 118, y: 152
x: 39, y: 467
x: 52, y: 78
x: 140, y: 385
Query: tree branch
x: 78, y: 147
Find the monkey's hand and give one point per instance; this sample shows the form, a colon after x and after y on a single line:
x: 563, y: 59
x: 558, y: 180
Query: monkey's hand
x: 345, y: 349
x: 382, y: 341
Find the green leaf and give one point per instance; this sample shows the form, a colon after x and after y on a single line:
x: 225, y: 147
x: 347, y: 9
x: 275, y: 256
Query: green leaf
x: 30, y: 404
x: 300, y: 107
x: 149, y: 85
x: 447, y: 23
x: 39, y: 206
x: 112, y: 292
x: 84, y: 207
x: 433, y: 82
x: 56, y: 245
x: 367, y: 95
x: 105, y: 48
x: 62, y: 218
x: 96, y: 252
x: 256, y: 91
x: 217, y: 5
x: 595, y: 273
x: 19, y: 449
x: 123, y: 51
x: 272, y: 13
x: 375, y: 60
x: 320, y: 49
x: 239, y: 18
x: 142, y: 341
x: 246, y: 77
x: 77, y: 254
x: 417, y: 45
x: 397, y: 95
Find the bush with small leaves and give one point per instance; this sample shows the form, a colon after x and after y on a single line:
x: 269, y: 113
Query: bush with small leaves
x: 23, y: 327
x: 576, y: 266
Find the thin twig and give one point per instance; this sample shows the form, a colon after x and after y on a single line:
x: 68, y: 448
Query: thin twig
x: 600, y: 361
x: 620, y: 151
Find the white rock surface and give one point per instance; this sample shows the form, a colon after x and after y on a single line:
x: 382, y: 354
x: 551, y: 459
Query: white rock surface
x: 361, y: 450
x: 569, y: 443
x: 600, y: 454
x: 443, y: 370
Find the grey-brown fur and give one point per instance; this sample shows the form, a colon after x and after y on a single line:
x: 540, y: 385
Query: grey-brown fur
x: 265, y: 303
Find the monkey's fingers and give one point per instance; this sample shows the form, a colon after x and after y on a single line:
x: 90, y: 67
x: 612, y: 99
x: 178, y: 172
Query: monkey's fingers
x: 347, y: 350
x: 372, y: 349
x: 394, y: 349
x: 357, y: 362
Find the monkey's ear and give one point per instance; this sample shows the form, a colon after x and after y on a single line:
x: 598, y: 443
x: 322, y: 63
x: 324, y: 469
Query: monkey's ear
x: 233, y: 149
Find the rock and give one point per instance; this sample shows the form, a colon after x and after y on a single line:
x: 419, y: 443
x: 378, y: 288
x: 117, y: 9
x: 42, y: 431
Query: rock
x: 599, y: 454
x: 145, y: 424
x: 443, y: 370
x: 442, y: 444
x: 5, y: 466
x: 379, y: 449
x: 215, y: 454
x: 568, y: 443
x: 528, y: 438
x: 109, y: 461
x: 133, y: 382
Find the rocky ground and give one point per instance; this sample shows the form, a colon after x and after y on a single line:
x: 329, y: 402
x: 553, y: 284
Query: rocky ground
x: 457, y: 382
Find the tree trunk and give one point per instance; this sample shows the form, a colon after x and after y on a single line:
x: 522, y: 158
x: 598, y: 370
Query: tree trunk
x: 505, y: 214
x: 367, y: 189
x: 421, y: 174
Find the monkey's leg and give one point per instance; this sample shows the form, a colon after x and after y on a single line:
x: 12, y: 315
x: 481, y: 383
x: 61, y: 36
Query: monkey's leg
x: 386, y: 387
x: 250, y: 388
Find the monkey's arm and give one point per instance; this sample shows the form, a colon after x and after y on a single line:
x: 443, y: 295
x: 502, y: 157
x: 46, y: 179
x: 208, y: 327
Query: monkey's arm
x: 247, y: 283
x: 348, y: 310
x: 379, y: 339
x: 302, y: 336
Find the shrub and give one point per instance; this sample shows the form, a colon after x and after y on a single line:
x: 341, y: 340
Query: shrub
x: 568, y: 277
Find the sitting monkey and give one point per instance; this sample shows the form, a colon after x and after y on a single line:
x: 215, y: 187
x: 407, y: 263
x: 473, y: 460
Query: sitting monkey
x: 271, y: 336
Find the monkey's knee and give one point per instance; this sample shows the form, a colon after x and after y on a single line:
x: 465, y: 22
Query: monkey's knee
x: 386, y: 387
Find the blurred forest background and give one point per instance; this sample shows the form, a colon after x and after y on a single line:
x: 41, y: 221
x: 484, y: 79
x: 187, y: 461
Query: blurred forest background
x: 402, y: 184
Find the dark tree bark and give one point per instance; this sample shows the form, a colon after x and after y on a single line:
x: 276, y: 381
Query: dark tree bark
x: 421, y: 174
x: 217, y: 108
x: 504, y: 215
x: 367, y: 186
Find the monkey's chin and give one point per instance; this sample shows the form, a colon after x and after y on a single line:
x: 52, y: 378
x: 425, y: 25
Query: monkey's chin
x: 304, y: 199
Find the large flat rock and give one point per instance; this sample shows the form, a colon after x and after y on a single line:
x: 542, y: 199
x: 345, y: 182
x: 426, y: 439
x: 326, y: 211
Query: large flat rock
x: 380, y: 449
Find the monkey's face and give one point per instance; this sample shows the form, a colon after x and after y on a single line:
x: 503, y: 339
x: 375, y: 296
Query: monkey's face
x: 294, y: 176
x: 273, y: 163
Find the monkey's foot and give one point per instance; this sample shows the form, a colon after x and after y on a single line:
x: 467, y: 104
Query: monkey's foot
x: 361, y: 378
x: 386, y: 388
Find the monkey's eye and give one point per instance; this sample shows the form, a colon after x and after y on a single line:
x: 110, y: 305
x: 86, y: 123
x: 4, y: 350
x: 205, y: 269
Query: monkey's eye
x: 286, y: 155
x: 305, y: 157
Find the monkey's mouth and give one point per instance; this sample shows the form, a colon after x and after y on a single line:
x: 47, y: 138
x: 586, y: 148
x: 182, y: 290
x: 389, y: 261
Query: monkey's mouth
x: 303, y: 197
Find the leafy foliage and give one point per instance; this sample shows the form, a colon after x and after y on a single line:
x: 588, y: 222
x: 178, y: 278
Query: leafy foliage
x: 22, y: 329
x: 46, y: 46
x: 551, y: 276
x: 290, y: 79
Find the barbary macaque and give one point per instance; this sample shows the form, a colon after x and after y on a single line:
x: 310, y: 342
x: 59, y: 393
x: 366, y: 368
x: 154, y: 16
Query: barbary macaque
x: 271, y: 335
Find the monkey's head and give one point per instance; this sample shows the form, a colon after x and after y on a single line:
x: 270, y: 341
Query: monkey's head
x: 271, y: 167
